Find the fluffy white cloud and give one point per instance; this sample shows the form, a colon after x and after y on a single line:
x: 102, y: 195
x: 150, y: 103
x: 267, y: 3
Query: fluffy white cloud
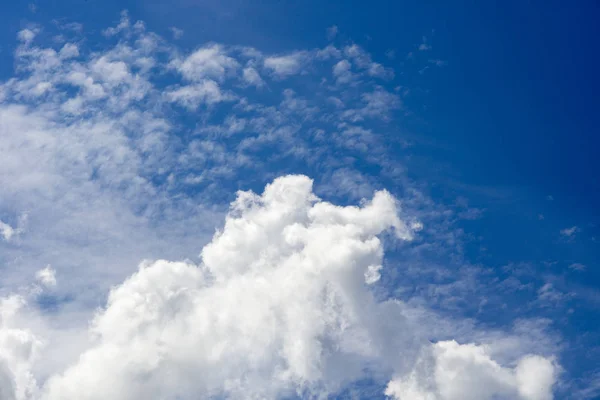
x: 341, y: 72
x: 6, y: 231
x: 451, y: 371
x: 283, y: 66
x: 205, y: 92
x: 208, y: 62
x: 278, y: 305
x: 251, y: 77
x: 46, y: 276
x: 18, y: 350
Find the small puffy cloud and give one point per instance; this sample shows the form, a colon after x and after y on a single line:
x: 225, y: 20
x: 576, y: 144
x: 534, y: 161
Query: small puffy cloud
x: 192, y: 96
x: 123, y: 25
x: 6, y: 231
x: 569, y: 232
x: 46, y: 276
x: 26, y: 35
x: 549, y: 294
x: 176, y: 32
x: 111, y: 72
x: 286, y: 65
x: 252, y: 77
x: 207, y: 62
x: 363, y: 60
x: 341, y: 72
x: 69, y: 50
x: 451, y: 371
x: 376, y: 104
x: 424, y: 46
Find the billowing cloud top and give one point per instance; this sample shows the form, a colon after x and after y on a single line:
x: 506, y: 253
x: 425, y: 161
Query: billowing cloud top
x: 279, y: 305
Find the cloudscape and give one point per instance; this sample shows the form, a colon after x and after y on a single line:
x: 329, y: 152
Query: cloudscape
x: 290, y: 201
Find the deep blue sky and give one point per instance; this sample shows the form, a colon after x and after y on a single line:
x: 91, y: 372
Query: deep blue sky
x: 510, y: 123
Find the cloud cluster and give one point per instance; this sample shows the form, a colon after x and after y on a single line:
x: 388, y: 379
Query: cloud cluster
x: 279, y: 305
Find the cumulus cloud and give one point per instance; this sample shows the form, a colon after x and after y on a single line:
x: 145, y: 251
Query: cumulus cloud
x: 192, y: 96
x: 279, y: 305
x: 285, y: 65
x: 341, y: 72
x: 451, y: 371
x: 252, y: 77
x: 207, y: 62
x: 6, y: 231
x: 569, y: 232
x: 19, y: 348
x: 46, y: 276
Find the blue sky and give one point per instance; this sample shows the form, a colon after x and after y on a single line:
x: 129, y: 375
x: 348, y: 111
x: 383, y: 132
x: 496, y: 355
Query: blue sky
x: 125, y: 141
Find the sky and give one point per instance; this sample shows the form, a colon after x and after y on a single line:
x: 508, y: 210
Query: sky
x: 290, y: 200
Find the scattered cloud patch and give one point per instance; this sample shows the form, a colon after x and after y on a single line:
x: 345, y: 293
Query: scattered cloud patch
x: 252, y: 77
x: 210, y: 62
x: 438, y: 62
x: 569, y: 232
x: 6, y: 231
x: 46, y: 276
x: 424, y: 46
x: 176, y: 32
x: 286, y: 65
x: 332, y: 32
x: 577, y: 267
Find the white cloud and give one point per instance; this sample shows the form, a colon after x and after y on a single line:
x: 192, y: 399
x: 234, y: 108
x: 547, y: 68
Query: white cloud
x: 46, y: 276
x: 279, y: 304
x: 376, y: 104
x: 424, y: 46
x: 26, y: 35
x: 252, y: 77
x: 6, y: 231
x: 207, y: 62
x: 177, y: 33
x: 123, y: 25
x: 451, y: 371
x: 341, y: 72
x: 283, y: 66
x: 438, y: 62
x: 205, y: 92
x: 549, y: 294
x: 363, y: 60
x: 577, y: 267
x: 69, y: 50
x: 569, y: 232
